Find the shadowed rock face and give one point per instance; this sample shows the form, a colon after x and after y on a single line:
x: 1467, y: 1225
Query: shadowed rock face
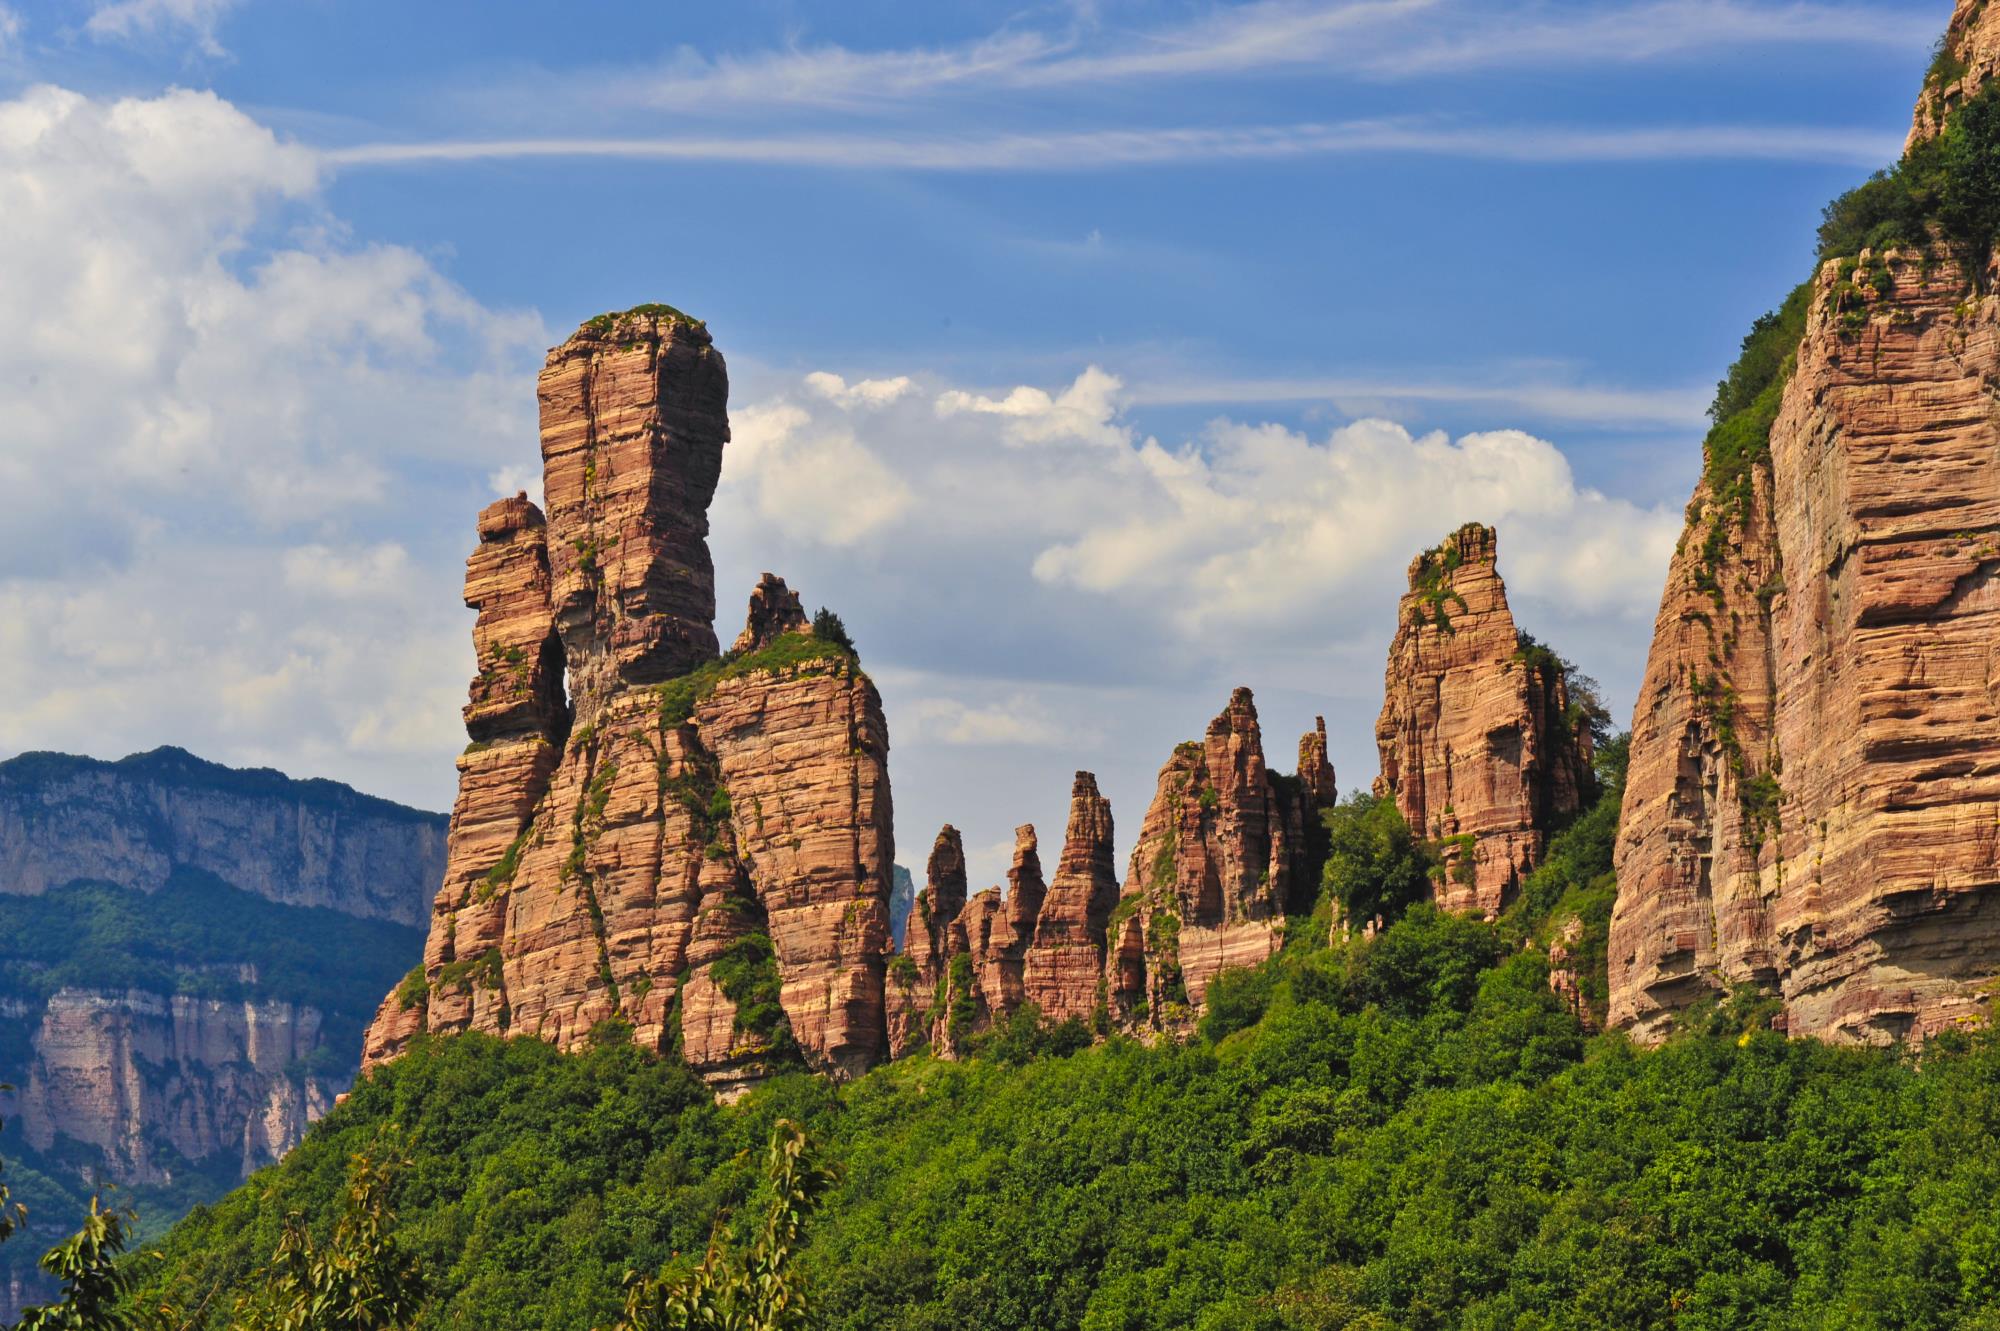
x: 1476, y: 746
x: 916, y: 976
x: 706, y: 834
x: 1209, y: 878
x: 1813, y: 804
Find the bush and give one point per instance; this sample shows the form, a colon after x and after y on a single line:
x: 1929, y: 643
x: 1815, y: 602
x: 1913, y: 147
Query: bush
x: 1374, y: 866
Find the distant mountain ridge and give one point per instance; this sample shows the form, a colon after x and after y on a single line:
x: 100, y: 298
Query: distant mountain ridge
x: 188, y: 955
x: 131, y: 822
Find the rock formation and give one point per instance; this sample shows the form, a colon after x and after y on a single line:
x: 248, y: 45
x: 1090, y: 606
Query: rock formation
x: 1814, y: 788
x: 134, y: 821
x: 695, y: 845
x: 1210, y: 875
x: 1065, y: 963
x: 1477, y: 747
x: 916, y: 983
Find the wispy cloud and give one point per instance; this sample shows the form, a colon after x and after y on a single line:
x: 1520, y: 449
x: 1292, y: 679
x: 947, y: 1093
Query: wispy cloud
x: 1380, y: 39
x: 1094, y: 149
x: 1619, y: 408
x: 129, y: 18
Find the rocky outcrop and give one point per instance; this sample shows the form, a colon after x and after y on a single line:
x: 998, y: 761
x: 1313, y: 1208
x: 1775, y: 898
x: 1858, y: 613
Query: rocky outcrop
x: 916, y: 980
x: 704, y: 852
x: 774, y: 611
x: 1477, y: 746
x: 1815, y: 778
x: 1967, y: 59
x: 134, y: 821
x: 146, y: 1080
x: 1064, y: 968
x: 1210, y: 874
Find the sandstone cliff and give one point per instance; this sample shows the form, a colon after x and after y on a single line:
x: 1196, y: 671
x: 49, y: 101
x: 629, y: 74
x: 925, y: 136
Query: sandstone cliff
x: 699, y: 846
x: 1815, y: 782
x: 1478, y: 748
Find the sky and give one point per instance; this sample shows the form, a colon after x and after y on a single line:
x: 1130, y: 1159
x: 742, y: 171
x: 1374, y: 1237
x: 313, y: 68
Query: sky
x: 1090, y: 358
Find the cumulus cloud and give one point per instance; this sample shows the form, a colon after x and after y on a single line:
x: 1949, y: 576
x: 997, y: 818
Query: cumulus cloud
x: 866, y: 393
x: 1020, y: 718
x: 1084, y: 412
x: 228, y: 454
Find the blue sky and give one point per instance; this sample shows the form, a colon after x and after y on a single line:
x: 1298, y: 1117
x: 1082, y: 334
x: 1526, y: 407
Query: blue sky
x: 1090, y: 357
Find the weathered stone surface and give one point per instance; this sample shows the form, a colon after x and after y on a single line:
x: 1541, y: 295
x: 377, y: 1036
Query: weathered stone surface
x: 1565, y: 981
x: 1476, y: 746
x: 634, y: 419
x: 1972, y: 58
x: 1815, y: 786
x: 134, y: 1073
x: 707, y: 834
x: 774, y: 612
x: 1064, y: 966
x: 134, y: 821
x: 915, y: 976
x: 1209, y: 877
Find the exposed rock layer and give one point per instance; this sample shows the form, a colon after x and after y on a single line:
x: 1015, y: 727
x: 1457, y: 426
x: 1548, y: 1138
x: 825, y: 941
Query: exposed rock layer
x: 706, y: 853
x: 1814, y: 797
x: 1476, y: 743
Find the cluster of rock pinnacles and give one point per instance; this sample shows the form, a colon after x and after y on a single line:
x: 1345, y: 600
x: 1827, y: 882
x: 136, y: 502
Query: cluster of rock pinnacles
x: 699, y: 845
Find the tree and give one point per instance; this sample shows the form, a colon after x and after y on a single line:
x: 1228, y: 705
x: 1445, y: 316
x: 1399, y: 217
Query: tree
x: 757, y: 1291
x: 361, y: 1281
x: 827, y: 627
x: 93, y: 1284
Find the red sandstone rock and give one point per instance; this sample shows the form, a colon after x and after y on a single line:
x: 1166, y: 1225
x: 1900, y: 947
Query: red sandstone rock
x: 774, y: 612
x: 1813, y: 798
x: 1209, y: 876
x: 1476, y: 747
x: 601, y: 872
x: 1065, y: 963
x: 915, y: 977
x: 1972, y: 43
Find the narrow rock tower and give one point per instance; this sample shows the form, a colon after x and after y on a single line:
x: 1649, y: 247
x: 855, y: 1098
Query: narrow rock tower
x: 699, y: 849
x: 1477, y: 746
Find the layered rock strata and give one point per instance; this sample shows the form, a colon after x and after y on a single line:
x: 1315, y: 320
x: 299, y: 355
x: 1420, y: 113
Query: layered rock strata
x: 1064, y: 967
x: 1813, y: 805
x: 1209, y: 877
x: 704, y: 851
x: 917, y: 977
x: 1476, y: 743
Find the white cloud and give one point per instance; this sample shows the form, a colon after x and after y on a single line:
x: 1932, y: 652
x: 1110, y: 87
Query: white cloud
x: 1086, y: 150
x: 1019, y: 719
x: 128, y: 18
x: 816, y: 477
x: 1084, y: 412
x: 865, y: 393
x: 10, y: 27
x: 1382, y: 39
x: 228, y: 455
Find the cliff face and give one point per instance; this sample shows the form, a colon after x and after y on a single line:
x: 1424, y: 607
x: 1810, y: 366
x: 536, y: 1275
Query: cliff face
x: 141, y: 1076
x: 1476, y: 744
x: 1815, y: 781
x: 916, y: 977
x: 1210, y: 875
x: 698, y: 846
x: 133, y: 822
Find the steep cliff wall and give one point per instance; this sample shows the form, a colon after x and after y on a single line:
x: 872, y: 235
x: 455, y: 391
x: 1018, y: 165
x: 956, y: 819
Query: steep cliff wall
x: 134, y: 821
x: 1814, y: 797
x: 699, y: 846
x: 1478, y: 749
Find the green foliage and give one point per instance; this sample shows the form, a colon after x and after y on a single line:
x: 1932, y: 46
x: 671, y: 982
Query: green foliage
x: 94, y: 1285
x: 758, y: 1290
x: 801, y: 653
x: 414, y: 988
x: 1374, y: 866
x: 828, y: 627
x: 1435, y: 594
x: 747, y: 974
x: 193, y: 936
x: 503, y: 870
x: 360, y: 1281
x: 604, y: 323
